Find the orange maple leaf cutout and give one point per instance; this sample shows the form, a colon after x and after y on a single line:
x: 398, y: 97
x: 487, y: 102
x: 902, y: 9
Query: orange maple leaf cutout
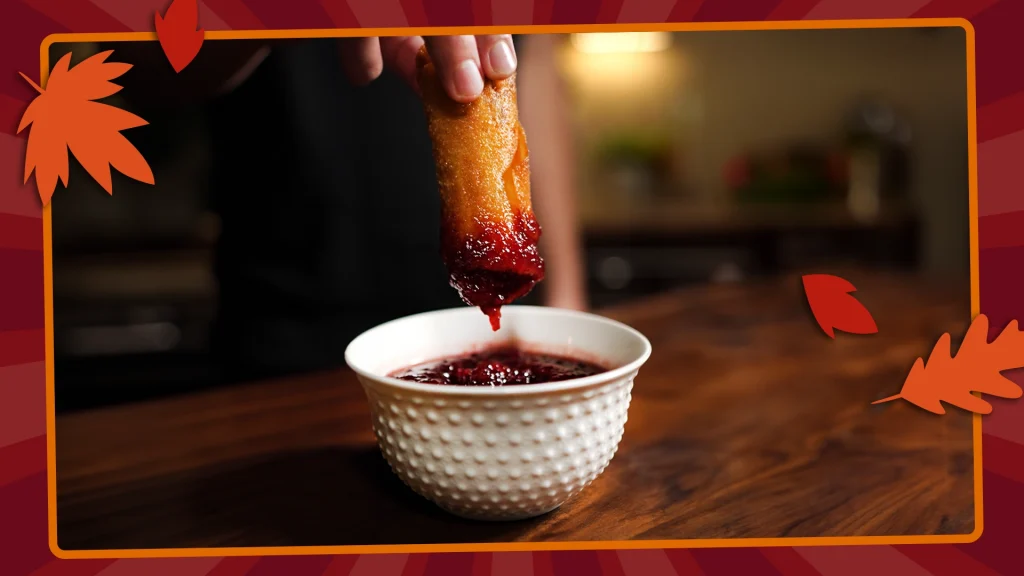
x: 977, y: 367
x: 65, y: 117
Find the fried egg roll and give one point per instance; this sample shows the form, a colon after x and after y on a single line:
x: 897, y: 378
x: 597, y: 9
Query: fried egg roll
x: 489, y: 233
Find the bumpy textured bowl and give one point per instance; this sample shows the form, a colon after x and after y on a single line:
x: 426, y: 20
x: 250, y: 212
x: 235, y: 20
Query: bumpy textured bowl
x: 502, y: 453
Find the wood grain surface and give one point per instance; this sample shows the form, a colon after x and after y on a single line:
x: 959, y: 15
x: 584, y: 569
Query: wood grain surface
x: 746, y: 422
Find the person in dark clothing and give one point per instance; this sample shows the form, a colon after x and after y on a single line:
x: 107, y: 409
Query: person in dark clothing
x: 324, y: 182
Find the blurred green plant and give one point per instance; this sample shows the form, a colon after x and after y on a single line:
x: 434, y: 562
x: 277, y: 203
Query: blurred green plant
x: 794, y: 176
x: 637, y: 147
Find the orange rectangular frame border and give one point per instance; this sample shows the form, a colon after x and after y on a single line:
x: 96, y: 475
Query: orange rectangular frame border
x: 524, y: 546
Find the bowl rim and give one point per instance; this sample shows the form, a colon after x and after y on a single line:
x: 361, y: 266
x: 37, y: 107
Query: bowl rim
x: 517, y: 390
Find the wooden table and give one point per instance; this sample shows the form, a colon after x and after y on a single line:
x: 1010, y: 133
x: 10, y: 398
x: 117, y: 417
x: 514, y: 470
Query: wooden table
x: 746, y: 422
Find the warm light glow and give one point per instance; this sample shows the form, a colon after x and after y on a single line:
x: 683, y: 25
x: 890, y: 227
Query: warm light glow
x: 618, y: 42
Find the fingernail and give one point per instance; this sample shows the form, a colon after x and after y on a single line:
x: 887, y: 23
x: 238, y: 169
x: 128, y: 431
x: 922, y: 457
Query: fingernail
x: 469, y: 83
x: 503, y: 61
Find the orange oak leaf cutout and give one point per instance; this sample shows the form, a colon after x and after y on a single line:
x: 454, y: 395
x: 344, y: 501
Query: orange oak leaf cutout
x: 977, y: 367
x: 64, y: 116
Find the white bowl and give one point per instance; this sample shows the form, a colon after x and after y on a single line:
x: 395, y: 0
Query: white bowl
x: 501, y: 453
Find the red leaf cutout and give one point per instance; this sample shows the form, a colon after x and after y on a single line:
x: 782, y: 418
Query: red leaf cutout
x: 833, y: 306
x: 178, y: 34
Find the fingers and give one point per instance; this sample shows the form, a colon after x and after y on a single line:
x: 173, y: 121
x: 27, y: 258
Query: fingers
x: 457, y: 60
x: 399, y: 55
x: 497, y: 56
x: 361, y: 59
x: 462, y: 62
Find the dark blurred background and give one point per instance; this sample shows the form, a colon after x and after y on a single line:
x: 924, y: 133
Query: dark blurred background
x: 703, y: 157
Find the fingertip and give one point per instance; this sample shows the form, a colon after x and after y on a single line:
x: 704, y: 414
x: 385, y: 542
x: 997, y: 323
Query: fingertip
x: 404, y: 55
x: 456, y: 59
x: 499, y: 59
x: 361, y: 60
x: 467, y: 82
x: 368, y: 73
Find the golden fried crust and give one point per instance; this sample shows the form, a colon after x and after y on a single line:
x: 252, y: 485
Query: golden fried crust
x: 488, y: 231
x: 480, y: 150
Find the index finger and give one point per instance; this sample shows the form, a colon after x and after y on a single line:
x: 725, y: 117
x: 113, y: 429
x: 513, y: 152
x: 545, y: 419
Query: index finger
x: 399, y: 54
x: 457, y: 60
x: 361, y: 59
x: 497, y: 55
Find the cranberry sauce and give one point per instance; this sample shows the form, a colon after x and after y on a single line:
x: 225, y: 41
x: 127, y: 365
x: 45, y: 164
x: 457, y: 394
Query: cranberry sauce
x: 500, y: 366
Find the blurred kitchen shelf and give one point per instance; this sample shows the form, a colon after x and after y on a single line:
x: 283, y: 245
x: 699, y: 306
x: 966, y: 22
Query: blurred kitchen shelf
x: 690, y: 217
x: 131, y: 324
x: 128, y: 244
x: 640, y: 252
x: 131, y: 275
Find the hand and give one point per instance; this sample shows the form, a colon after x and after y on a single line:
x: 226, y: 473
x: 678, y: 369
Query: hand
x: 462, y: 61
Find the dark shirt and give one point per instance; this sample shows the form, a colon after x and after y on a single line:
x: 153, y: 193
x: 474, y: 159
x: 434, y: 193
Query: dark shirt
x: 329, y: 212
